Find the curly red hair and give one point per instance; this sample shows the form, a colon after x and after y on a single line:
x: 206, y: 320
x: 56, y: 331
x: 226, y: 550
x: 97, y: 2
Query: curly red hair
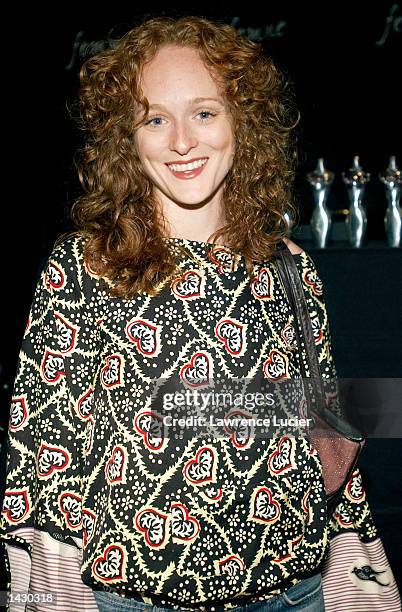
x: 118, y: 214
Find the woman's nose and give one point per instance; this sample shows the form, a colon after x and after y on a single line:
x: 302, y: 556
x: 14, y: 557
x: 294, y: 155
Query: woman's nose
x: 183, y: 138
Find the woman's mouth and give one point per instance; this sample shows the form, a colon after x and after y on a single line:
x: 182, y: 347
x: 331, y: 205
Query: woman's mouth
x: 188, y: 171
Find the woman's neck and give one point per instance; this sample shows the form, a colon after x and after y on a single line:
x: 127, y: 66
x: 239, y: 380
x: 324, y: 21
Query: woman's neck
x: 193, y: 223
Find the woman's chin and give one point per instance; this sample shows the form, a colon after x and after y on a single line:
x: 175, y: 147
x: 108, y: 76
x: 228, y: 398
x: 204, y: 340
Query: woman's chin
x: 192, y: 197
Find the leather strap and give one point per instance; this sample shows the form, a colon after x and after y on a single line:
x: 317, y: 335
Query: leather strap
x: 292, y: 283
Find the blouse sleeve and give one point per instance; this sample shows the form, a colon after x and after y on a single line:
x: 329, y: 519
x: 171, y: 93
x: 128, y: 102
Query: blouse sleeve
x: 314, y: 292
x: 352, y: 512
x: 49, y: 428
x: 354, y: 541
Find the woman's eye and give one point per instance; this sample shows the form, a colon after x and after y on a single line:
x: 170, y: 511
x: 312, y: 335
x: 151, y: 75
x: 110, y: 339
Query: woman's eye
x: 158, y: 121
x: 150, y: 121
x: 206, y: 115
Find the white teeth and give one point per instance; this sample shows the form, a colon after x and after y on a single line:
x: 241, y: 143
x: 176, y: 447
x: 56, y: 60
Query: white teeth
x: 184, y: 167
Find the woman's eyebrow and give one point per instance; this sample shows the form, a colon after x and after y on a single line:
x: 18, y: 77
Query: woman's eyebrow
x: 190, y: 102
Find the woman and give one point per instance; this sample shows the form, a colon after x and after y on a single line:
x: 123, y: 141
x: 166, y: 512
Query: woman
x: 168, y: 282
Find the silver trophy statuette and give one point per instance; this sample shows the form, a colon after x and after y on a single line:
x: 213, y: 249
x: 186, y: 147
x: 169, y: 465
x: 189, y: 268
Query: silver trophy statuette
x: 356, y: 221
x: 320, y: 180
x: 391, y: 178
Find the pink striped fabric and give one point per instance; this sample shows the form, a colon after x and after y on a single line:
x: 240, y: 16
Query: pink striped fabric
x: 20, y: 565
x: 344, y: 591
x: 55, y: 569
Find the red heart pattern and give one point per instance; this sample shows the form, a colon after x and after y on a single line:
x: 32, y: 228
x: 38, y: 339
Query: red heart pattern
x: 282, y: 459
x: 261, y: 285
x: 223, y: 258
x: 343, y: 515
x: 288, y: 334
x: 111, y: 373
x: 310, y: 277
x: 88, y: 526
x: 18, y: 413
x: 66, y: 334
x: 145, y: 336
x: 115, y: 466
x: 188, y: 285
x: 51, y: 459
x: 16, y: 505
x: 239, y: 427
x: 55, y: 276
x: 70, y: 506
x: 183, y: 526
x: 150, y: 425
x: 52, y: 367
x: 200, y: 469
x: 153, y: 525
x: 198, y: 372
x: 317, y: 331
x: 86, y: 404
x: 109, y: 567
x: 264, y: 508
x: 232, y: 566
x: 276, y: 367
x: 232, y: 334
x: 354, y: 489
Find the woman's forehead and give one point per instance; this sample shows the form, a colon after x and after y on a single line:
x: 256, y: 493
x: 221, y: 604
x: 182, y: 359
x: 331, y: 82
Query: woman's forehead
x: 178, y: 70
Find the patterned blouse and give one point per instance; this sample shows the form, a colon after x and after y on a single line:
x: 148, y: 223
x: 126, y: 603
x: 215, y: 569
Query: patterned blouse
x: 101, y: 497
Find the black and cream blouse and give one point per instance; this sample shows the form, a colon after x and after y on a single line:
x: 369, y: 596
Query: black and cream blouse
x: 97, y: 488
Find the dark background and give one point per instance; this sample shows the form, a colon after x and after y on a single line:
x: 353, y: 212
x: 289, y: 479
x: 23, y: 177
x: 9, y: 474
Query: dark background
x: 347, y: 89
x: 344, y: 60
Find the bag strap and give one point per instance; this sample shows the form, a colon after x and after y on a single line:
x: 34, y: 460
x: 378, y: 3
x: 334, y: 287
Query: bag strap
x: 290, y: 276
x: 292, y: 283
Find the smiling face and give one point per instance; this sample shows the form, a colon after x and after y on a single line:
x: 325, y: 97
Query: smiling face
x: 186, y: 144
